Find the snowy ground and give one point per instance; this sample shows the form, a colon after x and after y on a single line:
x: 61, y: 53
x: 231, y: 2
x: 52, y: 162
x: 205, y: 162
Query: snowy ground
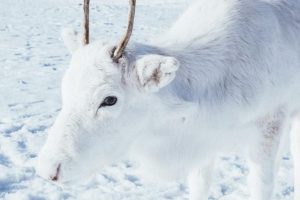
x: 32, y: 62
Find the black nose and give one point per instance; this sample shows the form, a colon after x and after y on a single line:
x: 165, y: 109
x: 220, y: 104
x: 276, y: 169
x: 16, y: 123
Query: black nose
x: 55, y: 177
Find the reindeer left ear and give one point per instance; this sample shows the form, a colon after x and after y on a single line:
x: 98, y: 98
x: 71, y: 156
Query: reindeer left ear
x: 71, y: 39
x: 155, y: 71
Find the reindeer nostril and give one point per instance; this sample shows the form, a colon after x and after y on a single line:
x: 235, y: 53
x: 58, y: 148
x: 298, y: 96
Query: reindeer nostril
x: 55, y: 177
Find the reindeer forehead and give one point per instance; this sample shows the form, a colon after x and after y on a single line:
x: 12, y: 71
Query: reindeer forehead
x: 99, y: 74
x: 83, y: 85
x: 85, y: 75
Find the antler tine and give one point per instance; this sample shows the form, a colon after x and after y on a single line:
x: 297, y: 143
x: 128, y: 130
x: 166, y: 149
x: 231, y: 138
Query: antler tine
x: 86, y: 30
x: 121, y: 47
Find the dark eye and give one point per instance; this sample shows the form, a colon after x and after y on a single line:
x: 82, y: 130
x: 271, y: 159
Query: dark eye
x: 109, y: 101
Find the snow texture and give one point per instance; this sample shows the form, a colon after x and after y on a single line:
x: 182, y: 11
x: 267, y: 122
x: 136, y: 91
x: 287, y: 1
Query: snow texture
x: 32, y: 62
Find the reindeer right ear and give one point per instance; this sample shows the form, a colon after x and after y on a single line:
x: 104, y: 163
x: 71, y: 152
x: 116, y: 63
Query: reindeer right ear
x: 71, y: 39
x: 155, y: 71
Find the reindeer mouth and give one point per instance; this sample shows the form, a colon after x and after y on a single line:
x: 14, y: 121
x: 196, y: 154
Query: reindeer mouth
x: 55, y: 178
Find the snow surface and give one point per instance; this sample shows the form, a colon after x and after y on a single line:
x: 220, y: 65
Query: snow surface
x: 32, y: 62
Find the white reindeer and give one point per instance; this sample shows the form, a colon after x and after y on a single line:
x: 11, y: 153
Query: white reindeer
x: 225, y: 77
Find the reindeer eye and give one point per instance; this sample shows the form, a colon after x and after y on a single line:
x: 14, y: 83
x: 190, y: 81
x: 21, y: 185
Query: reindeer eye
x: 109, y: 101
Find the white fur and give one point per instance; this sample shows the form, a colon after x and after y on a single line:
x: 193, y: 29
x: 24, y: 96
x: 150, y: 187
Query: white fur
x: 295, y: 138
x: 225, y: 77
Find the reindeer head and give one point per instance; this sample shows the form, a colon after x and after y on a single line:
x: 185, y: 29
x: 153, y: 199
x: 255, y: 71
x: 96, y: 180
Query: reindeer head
x: 105, y: 98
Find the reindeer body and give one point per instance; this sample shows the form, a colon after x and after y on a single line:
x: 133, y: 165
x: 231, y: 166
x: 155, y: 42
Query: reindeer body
x: 239, y: 80
x: 237, y: 84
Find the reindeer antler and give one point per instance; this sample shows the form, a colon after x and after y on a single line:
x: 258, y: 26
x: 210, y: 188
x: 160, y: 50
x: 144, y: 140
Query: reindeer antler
x: 86, y: 30
x: 122, y: 45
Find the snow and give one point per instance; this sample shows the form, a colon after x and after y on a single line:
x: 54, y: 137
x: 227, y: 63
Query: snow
x: 32, y: 62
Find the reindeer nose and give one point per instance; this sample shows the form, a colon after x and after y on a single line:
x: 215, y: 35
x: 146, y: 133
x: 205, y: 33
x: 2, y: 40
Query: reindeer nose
x: 56, y: 176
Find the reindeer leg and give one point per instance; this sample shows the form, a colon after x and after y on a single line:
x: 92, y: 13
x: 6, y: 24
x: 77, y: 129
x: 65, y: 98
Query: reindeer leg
x: 199, y: 182
x: 264, y: 157
x: 295, y: 149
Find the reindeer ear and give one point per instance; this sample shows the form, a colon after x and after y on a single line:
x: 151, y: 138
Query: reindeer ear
x: 155, y: 71
x: 70, y: 39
